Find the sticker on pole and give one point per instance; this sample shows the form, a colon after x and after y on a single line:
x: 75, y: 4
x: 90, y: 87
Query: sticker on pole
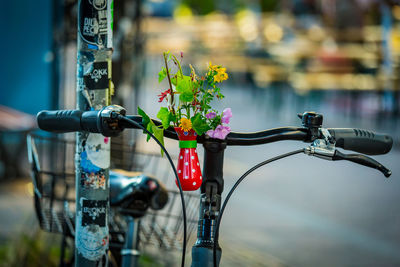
x: 92, y: 241
x: 98, y: 150
x: 93, y: 180
x: 95, y: 18
x: 94, y: 212
x: 97, y: 77
x: 91, y: 237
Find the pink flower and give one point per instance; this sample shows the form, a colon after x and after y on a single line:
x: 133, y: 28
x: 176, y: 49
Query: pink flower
x: 226, y: 115
x: 211, y: 115
x: 220, y: 132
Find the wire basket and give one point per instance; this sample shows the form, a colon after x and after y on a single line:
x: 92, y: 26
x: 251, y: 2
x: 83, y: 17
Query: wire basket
x: 53, y: 177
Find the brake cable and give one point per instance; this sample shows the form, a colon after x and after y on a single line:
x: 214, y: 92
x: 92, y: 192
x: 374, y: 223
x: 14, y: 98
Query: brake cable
x: 134, y: 123
x: 216, y: 233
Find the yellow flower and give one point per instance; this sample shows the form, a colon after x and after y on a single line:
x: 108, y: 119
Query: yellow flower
x: 221, y: 70
x: 185, y: 124
x: 212, y: 67
x: 220, y: 77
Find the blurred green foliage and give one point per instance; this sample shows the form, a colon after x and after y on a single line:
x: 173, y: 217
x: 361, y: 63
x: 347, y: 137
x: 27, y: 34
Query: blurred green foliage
x: 269, y: 5
x: 37, y: 249
x: 203, y: 7
x: 43, y: 249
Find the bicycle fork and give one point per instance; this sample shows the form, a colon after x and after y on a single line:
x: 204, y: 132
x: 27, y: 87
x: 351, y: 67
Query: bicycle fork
x: 210, y: 204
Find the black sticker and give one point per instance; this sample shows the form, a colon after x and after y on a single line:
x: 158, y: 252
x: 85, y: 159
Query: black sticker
x: 93, y: 21
x: 98, y: 77
x: 94, y: 212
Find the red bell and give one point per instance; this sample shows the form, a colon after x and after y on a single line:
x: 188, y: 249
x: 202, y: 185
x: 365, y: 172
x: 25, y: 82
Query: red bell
x: 189, y: 172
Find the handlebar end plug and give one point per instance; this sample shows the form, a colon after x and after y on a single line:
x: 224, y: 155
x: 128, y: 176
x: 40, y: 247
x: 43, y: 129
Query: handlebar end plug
x: 385, y: 171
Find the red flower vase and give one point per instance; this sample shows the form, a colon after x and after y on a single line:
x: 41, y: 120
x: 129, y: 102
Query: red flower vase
x: 189, y: 172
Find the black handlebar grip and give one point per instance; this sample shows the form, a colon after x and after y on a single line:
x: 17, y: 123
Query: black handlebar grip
x: 64, y: 121
x: 90, y: 121
x: 362, y: 141
x: 59, y: 121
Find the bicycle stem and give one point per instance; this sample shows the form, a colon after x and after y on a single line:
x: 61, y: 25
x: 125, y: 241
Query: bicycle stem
x: 210, y: 203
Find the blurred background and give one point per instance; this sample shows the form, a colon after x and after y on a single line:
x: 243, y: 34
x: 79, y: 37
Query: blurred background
x: 338, y: 58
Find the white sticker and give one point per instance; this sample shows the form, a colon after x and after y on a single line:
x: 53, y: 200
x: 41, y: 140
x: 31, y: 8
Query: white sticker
x: 91, y: 240
x: 98, y: 150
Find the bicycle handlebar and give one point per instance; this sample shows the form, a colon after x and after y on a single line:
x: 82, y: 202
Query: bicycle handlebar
x: 243, y: 139
x: 62, y: 121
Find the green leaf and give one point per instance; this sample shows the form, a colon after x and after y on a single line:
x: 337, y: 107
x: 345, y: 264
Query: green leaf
x: 199, y: 124
x: 159, y: 134
x: 186, y: 97
x: 184, y: 84
x: 185, y: 89
x: 162, y: 74
x: 147, y: 122
x: 145, y: 117
x: 216, y: 121
x: 150, y: 129
x: 165, y: 116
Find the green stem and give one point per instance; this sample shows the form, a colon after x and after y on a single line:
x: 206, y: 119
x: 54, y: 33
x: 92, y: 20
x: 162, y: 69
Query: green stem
x: 188, y: 112
x: 180, y: 115
x: 170, y: 84
x: 179, y: 64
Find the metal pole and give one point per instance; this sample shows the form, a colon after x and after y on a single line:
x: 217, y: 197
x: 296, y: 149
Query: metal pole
x: 92, y: 159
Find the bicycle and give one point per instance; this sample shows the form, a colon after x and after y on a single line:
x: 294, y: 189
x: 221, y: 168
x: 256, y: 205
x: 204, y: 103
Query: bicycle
x: 112, y: 120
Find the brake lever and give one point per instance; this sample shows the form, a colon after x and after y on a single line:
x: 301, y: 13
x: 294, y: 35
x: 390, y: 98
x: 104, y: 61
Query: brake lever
x: 334, y: 154
x: 363, y: 160
x: 325, y: 148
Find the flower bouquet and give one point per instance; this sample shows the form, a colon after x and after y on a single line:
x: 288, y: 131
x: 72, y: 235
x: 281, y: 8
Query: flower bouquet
x: 188, y: 109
